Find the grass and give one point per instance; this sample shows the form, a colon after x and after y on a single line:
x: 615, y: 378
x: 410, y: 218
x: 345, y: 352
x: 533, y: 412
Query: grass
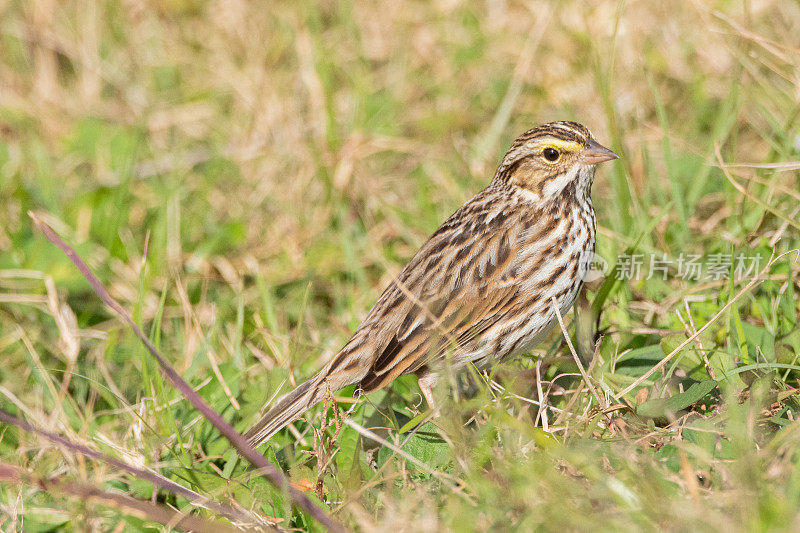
x: 245, y: 178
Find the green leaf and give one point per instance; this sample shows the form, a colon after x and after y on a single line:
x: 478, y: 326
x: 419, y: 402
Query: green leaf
x: 645, y: 354
x: 428, y: 447
x: 758, y: 339
x: 703, y: 434
x: 348, y: 449
x: 659, y: 408
x: 408, y: 426
x: 740, y: 336
x: 670, y: 456
x: 690, y: 360
x: 231, y: 459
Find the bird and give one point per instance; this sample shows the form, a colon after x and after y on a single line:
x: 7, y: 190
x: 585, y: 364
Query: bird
x: 484, y: 286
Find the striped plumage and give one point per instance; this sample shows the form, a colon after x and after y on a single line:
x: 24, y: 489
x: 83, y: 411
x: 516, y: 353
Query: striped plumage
x: 481, y: 288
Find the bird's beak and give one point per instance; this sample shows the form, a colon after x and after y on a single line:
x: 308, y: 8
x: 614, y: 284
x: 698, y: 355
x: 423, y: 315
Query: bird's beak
x: 594, y: 152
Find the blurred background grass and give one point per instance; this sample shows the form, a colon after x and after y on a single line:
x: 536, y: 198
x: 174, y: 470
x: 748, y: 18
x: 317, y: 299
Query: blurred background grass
x: 246, y: 177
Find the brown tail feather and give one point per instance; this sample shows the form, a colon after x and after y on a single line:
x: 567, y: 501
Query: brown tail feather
x: 285, y: 410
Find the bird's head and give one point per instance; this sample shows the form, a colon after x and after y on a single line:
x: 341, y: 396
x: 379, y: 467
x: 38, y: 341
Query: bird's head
x: 547, y: 158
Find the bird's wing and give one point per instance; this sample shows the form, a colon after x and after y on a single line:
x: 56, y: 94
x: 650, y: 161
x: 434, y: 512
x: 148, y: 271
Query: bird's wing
x: 461, y: 282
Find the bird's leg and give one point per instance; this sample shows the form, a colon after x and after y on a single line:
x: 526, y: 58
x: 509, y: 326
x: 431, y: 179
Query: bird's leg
x: 427, y: 380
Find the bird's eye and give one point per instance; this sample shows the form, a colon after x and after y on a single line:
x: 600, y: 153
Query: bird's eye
x: 551, y: 154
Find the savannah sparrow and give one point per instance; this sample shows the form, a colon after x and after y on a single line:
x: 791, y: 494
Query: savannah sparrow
x: 482, y: 287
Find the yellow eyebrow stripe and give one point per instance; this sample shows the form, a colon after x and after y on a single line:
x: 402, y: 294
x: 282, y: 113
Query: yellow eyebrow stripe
x: 563, y: 146
x: 558, y: 144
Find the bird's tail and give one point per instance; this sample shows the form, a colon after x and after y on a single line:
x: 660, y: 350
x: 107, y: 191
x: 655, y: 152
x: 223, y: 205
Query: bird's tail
x: 286, y: 409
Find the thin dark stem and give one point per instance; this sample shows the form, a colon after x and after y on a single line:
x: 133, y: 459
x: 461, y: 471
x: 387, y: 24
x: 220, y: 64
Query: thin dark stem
x: 274, y: 475
x: 148, y: 510
x: 232, y: 513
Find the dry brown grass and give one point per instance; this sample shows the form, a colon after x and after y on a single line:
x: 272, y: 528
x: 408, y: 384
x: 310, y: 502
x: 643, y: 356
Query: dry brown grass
x: 280, y: 161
